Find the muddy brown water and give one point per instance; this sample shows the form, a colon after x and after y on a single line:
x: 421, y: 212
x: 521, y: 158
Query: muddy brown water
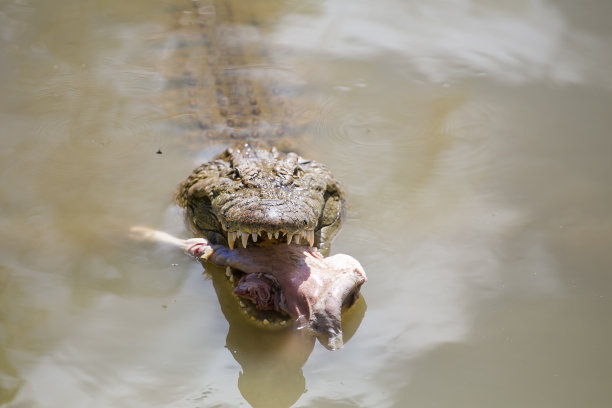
x: 473, y: 138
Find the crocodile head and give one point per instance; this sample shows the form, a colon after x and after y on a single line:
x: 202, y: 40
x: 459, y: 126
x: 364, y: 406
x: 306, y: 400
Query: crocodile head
x: 265, y: 205
x: 254, y: 196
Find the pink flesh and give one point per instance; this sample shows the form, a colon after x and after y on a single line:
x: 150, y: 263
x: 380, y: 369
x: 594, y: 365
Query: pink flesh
x: 315, y: 288
x: 262, y: 290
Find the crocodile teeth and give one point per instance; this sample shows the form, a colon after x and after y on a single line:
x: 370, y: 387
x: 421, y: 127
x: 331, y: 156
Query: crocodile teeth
x: 297, y: 238
x: 231, y: 237
x: 306, y: 235
x: 228, y: 271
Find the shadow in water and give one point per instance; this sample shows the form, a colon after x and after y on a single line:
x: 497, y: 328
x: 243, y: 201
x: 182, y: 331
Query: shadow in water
x: 271, y: 359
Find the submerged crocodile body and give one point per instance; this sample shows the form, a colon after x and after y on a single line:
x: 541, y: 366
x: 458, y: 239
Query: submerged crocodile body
x: 278, y: 209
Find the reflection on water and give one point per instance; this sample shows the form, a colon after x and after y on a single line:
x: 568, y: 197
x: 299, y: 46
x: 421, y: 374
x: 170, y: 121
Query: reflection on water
x: 443, y: 41
x: 270, y: 358
x: 472, y: 138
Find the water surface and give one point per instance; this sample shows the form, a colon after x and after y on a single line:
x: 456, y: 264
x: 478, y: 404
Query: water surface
x: 472, y: 137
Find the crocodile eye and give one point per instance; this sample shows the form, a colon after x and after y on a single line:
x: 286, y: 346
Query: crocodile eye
x: 281, y: 171
x: 233, y: 173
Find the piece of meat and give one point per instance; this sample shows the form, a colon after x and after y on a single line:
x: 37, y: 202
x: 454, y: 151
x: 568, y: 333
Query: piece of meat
x: 263, y: 290
x: 314, y: 289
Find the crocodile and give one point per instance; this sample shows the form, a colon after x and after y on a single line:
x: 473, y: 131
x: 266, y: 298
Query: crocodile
x: 268, y: 213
